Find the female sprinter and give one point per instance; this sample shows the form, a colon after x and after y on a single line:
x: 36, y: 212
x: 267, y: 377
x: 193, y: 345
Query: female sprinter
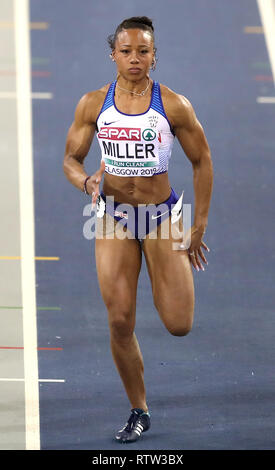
x: 136, y: 120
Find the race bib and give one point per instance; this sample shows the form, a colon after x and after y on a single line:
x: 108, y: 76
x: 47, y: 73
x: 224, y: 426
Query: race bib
x: 129, y: 151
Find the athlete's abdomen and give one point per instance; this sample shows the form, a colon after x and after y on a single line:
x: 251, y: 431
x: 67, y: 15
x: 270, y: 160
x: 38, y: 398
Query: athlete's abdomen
x: 137, y: 190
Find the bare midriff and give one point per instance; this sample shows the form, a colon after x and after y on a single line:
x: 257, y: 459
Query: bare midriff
x: 137, y: 190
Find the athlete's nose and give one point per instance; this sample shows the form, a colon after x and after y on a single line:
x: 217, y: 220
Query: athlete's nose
x: 134, y: 58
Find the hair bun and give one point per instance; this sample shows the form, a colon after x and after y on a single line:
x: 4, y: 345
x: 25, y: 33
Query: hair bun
x: 142, y: 20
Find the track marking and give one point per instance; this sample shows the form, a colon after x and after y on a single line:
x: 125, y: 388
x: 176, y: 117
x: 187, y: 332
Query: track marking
x: 4, y: 307
x: 40, y: 60
x: 49, y: 308
x: 40, y: 380
x: 39, y: 25
x: 35, y: 73
x: 41, y: 73
x: 31, y: 25
x: 267, y: 14
x: 261, y: 65
x: 253, y: 30
x: 11, y: 308
x: 38, y: 349
x: 39, y: 258
x: 7, y: 62
x: 263, y: 78
x: 27, y: 229
x: 266, y: 99
x: 42, y: 96
x: 35, y: 96
x: 50, y: 349
x: 52, y: 380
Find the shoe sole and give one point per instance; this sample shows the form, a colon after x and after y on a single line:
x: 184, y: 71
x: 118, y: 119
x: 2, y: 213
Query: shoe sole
x: 121, y: 441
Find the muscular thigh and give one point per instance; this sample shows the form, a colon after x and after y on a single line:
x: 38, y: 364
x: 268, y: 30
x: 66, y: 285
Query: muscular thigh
x: 118, y: 265
x: 171, y: 277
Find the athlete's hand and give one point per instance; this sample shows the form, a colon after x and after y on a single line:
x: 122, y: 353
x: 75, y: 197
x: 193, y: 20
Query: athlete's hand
x: 94, y: 182
x: 195, y: 252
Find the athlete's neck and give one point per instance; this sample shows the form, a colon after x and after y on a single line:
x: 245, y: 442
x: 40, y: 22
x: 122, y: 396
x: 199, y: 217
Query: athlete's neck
x: 133, y: 86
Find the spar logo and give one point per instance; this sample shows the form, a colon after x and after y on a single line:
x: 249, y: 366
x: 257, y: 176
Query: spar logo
x: 148, y: 134
x: 120, y: 133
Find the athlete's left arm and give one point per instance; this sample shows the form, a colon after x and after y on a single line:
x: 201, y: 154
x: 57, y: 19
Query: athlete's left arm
x: 191, y: 136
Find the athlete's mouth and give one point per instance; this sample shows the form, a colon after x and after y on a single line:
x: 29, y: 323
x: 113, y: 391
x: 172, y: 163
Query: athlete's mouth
x: 134, y: 69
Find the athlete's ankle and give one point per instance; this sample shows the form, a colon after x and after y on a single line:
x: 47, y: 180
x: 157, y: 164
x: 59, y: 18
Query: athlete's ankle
x: 141, y: 407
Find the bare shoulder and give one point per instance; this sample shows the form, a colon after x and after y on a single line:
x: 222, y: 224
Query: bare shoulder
x: 178, y: 108
x: 90, y: 104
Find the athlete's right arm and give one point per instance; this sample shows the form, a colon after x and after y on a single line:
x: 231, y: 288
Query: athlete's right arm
x: 78, y: 143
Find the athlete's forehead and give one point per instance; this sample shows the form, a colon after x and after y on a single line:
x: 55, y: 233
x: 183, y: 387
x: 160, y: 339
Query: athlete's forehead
x: 137, y: 37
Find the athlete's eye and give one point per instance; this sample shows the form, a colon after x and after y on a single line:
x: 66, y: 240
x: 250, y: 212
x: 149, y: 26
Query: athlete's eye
x: 145, y: 51
x: 124, y: 51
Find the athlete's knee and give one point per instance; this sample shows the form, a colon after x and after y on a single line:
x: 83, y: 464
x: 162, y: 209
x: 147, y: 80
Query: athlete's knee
x: 121, y: 326
x: 177, y: 320
x: 121, y: 322
x: 180, y: 330
x: 179, y: 324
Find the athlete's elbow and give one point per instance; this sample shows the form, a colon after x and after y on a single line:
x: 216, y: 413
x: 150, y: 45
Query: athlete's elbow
x: 201, y: 158
x: 66, y: 166
x: 70, y: 161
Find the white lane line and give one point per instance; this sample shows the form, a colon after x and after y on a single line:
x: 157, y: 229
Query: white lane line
x: 33, y: 25
x: 27, y: 240
x: 52, y: 380
x: 266, y: 99
x: 40, y: 380
x: 42, y: 96
x: 34, y: 96
x: 267, y: 14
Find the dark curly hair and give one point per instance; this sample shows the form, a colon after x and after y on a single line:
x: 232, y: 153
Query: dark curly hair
x: 139, y: 22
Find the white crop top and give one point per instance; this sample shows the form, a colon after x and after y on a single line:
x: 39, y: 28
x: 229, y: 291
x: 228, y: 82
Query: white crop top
x: 135, y: 144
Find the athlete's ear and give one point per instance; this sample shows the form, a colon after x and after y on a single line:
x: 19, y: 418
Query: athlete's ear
x: 154, y: 61
x: 112, y: 57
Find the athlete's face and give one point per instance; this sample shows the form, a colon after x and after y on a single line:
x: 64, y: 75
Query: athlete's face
x: 134, y: 53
